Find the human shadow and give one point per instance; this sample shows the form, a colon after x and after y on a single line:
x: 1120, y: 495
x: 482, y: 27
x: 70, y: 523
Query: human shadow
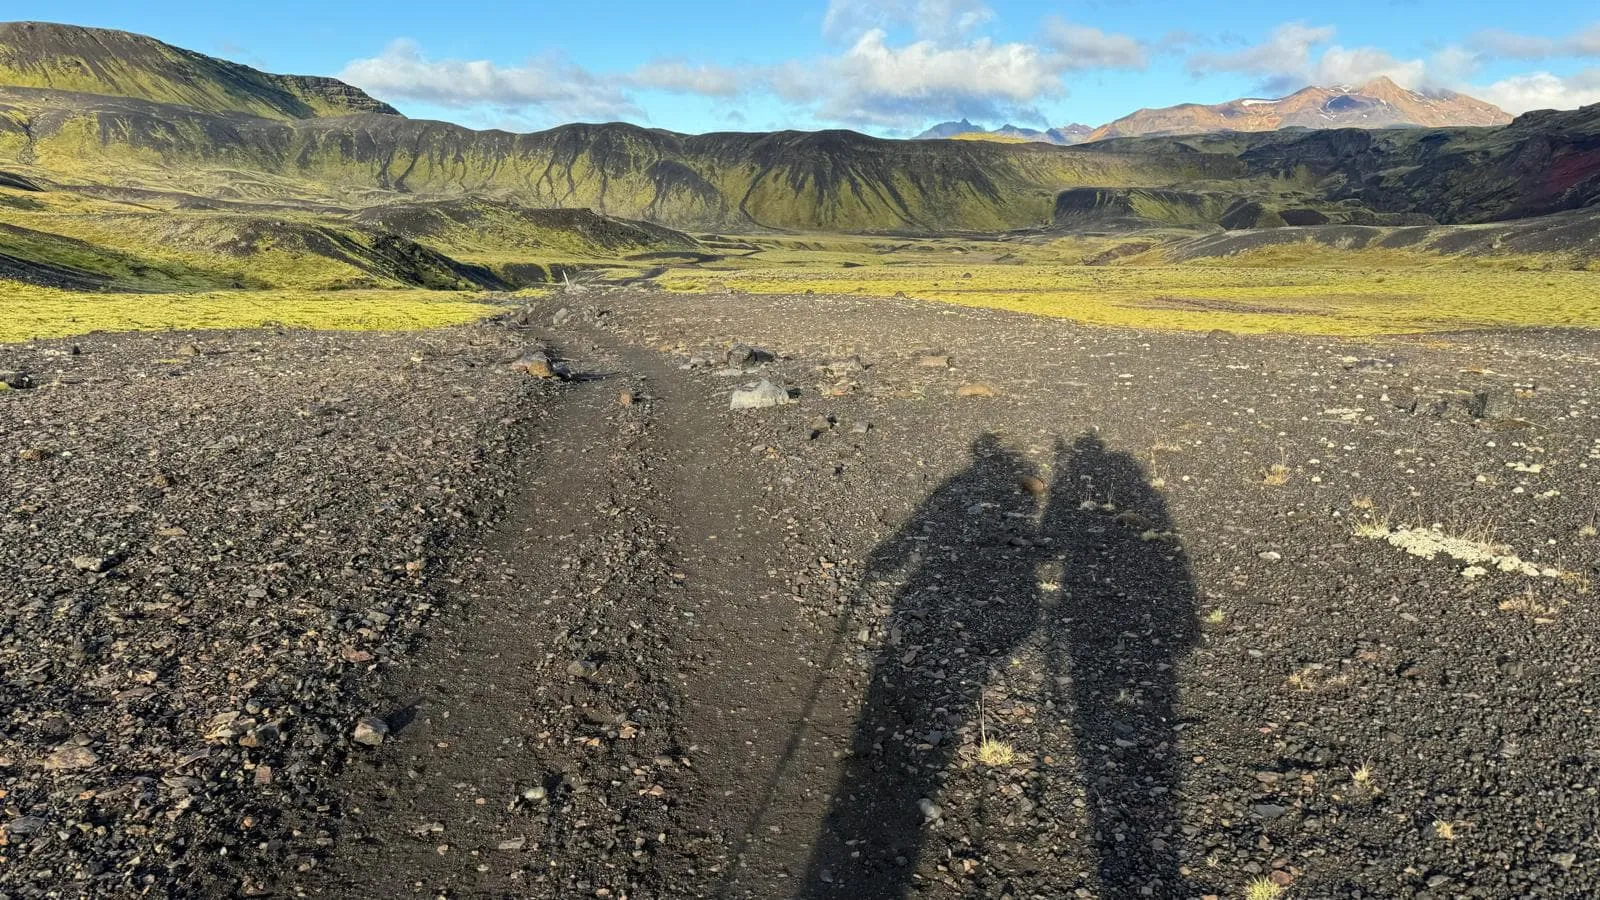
x: 1112, y: 629
x: 1122, y: 621
x: 967, y: 598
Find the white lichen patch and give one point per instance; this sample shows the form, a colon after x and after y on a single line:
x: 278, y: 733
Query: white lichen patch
x: 1481, y: 558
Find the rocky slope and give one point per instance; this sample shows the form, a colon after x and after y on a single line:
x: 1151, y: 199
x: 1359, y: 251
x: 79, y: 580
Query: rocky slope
x: 121, y: 64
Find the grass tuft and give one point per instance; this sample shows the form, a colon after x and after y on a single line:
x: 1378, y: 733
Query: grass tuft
x: 996, y: 753
x: 1263, y: 889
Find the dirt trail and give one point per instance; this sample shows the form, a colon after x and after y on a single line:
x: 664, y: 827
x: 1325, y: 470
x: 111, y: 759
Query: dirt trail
x: 641, y: 542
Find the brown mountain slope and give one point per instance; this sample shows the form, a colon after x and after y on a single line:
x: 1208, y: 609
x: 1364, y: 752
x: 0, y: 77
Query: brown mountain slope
x: 1379, y: 103
x: 120, y: 64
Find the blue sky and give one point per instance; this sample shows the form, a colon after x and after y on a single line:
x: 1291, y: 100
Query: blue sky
x: 887, y: 67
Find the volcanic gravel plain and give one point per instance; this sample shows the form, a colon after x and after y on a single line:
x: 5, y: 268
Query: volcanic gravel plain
x: 986, y: 605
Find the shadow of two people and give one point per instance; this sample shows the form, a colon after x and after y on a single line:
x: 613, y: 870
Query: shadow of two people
x: 974, y: 567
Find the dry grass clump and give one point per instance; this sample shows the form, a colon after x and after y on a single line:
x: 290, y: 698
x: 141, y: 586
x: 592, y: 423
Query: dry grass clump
x: 996, y: 753
x: 1263, y: 889
x: 1277, y: 475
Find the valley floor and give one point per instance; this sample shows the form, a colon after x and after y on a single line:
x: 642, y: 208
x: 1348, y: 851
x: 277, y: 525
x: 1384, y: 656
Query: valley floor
x: 1000, y: 606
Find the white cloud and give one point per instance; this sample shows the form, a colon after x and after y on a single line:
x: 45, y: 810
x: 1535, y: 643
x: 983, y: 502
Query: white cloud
x: 1289, y: 59
x: 1287, y: 50
x: 847, y: 20
x: 1339, y: 65
x: 1454, y: 64
x: 552, y: 86
x: 873, y: 83
x: 1542, y: 90
x: 1082, y: 47
x: 1510, y: 45
x: 679, y: 77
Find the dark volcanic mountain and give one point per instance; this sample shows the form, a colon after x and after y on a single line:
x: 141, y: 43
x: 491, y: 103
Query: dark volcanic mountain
x: 119, y: 64
x: 209, y: 129
x: 1377, y: 104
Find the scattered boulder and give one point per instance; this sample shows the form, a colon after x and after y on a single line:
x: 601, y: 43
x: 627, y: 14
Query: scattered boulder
x: 976, y: 389
x: 743, y: 355
x: 26, y: 826
x: 70, y: 757
x: 1491, y: 403
x: 843, y: 367
x: 370, y: 731
x: 562, y: 316
x: 934, y: 361
x: 95, y: 564
x: 582, y: 668
x: 539, y: 364
x: 759, y: 396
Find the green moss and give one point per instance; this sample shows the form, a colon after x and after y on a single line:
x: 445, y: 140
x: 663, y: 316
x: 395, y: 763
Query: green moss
x: 33, y: 312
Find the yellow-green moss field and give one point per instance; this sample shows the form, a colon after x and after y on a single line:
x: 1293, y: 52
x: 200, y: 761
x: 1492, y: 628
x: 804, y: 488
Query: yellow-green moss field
x: 31, y: 312
x: 1324, y: 299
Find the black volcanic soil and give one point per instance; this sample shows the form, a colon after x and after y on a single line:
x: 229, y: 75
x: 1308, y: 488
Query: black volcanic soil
x: 659, y: 648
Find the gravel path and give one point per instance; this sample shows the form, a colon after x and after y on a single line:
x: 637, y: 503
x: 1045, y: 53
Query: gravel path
x: 1069, y: 612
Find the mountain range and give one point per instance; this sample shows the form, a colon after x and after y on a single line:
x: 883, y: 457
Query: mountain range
x: 1380, y: 103
x: 128, y: 116
x: 1066, y: 135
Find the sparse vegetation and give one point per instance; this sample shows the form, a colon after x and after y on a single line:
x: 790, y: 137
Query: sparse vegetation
x: 33, y: 312
x: 1292, y: 298
x: 1263, y: 889
x: 996, y: 753
x: 1276, y: 475
x: 1362, y: 775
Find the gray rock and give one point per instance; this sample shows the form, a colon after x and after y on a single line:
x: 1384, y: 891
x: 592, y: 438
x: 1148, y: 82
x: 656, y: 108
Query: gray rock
x: 582, y: 668
x: 539, y: 364
x: 759, y: 396
x: 1266, y: 812
x: 371, y: 731
x: 26, y: 825
x: 930, y: 810
x: 561, y: 317
x: 69, y: 757
x: 742, y: 355
x: 91, y: 563
x: 1491, y: 403
x: 1564, y: 860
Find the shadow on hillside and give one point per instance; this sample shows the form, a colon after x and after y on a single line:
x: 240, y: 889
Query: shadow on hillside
x: 969, y: 566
